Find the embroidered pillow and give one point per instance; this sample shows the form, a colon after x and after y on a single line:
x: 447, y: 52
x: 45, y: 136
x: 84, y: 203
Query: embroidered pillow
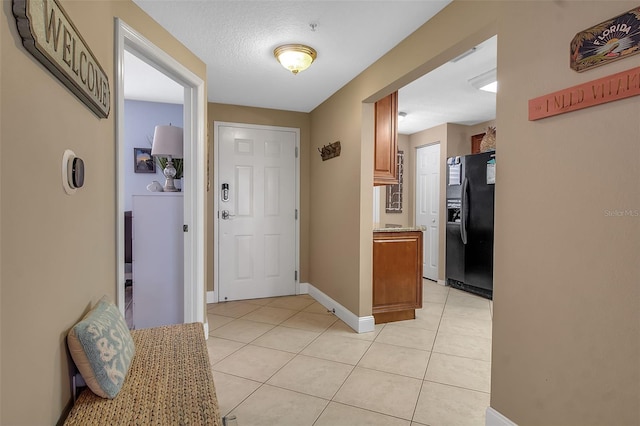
x: 102, y: 349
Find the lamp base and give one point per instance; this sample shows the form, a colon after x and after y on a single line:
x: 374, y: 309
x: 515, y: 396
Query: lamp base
x: 169, y: 185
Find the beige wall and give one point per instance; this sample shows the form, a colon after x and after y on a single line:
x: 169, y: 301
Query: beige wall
x: 58, y: 251
x: 567, y: 295
x: 266, y: 117
x: 567, y: 303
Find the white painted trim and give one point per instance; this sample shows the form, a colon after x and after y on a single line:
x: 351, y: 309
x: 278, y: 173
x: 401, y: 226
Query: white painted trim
x: 494, y: 418
x: 195, y: 156
x: 303, y: 288
x: 216, y: 196
x: 359, y: 324
x: 206, y: 330
x: 442, y: 282
x: 211, y: 297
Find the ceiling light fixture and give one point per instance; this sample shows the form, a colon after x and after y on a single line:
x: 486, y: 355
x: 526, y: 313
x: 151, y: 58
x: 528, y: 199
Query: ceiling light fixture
x: 401, y: 115
x: 295, y: 57
x: 486, y: 81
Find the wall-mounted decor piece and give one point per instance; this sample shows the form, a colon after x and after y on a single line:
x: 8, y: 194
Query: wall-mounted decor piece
x: 143, y: 161
x: 330, y: 151
x: 49, y: 35
x: 606, y: 42
x: 394, y: 192
x: 602, y: 90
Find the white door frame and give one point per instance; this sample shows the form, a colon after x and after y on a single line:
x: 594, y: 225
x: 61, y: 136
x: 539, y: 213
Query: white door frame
x: 216, y: 196
x: 195, y: 161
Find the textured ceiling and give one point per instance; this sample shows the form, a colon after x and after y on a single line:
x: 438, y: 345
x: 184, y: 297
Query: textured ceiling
x: 236, y: 40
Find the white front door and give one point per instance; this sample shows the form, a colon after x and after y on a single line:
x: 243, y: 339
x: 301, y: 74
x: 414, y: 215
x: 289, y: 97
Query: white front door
x: 427, y: 205
x: 257, y: 192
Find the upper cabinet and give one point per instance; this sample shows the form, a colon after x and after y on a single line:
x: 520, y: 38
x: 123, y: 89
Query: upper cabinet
x: 385, y: 170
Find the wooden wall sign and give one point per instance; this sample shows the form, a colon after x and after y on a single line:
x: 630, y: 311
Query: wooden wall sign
x: 606, y: 42
x: 606, y: 89
x: 50, y: 36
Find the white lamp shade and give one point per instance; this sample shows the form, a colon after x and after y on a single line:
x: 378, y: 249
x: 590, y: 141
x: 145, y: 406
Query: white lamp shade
x: 167, y: 141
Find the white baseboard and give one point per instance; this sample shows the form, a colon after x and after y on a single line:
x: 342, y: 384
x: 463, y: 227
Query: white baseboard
x: 442, y: 282
x: 359, y: 324
x: 206, y: 331
x: 303, y: 288
x: 494, y: 418
x: 211, y: 297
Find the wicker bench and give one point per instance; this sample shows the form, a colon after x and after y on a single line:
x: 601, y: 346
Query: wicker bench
x: 169, y: 383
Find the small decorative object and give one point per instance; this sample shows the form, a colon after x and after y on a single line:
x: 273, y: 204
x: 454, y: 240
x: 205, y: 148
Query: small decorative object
x: 167, y: 143
x: 154, y: 186
x: 394, y: 192
x: 488, y: 142
x: 606, y: 42
x: 142, y: 160
x: 330, y: 151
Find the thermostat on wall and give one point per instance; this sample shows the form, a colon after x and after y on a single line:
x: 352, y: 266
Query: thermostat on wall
x: 72, y: 172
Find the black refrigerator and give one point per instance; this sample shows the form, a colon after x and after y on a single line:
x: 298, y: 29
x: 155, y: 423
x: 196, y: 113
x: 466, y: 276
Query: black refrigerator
x: 470, y: 203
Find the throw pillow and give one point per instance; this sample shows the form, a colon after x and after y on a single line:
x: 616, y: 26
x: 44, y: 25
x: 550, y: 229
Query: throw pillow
x: 102, y: 349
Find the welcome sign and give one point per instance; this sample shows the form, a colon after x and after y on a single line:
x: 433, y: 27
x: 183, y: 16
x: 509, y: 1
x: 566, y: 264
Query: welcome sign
x: 50, y: 36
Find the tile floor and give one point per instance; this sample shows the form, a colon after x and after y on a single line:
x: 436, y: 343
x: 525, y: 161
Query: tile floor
x: 287, y: 361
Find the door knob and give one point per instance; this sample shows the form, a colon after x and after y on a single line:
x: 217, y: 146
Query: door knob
x: 226, y: 215
x: 433, y: 221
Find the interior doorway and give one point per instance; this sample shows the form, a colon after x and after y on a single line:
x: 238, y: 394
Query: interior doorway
x: 127, y: 39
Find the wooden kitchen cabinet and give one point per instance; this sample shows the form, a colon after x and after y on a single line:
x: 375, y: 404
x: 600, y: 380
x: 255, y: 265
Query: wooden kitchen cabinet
x: 397, y: 275
x: 385, y: 169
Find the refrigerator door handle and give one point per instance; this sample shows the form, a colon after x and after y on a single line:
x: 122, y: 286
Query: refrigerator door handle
x: 464, y: 202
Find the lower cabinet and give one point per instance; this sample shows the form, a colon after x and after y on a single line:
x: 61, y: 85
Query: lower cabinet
x: 397, y: 275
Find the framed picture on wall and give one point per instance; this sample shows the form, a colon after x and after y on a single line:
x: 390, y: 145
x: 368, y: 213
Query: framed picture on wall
x: 143, y: 161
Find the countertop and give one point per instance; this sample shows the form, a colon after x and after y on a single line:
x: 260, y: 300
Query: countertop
x: 400, y: 229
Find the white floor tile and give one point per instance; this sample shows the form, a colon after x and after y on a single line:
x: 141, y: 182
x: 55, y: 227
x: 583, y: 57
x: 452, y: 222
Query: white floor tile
x: 464, y: 346
x: 286, y: 339
x: 319, y: 372
x: 270, y: 405
x: 396, y: 359
x: 337, y: 414
x: 241, y: 330
x: 232, y: 390
x: 254, y: 363
x: 312, y: 376
x: 219, y: 349
x: 381, y: 392
x: 337, y: 348
x: 458, y: 371
x: 450, y: 406
x: 417, y: 338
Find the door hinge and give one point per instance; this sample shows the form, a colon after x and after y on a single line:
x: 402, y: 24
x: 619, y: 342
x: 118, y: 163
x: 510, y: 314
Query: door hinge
x: 296, y: 214
x: 296, y: 152
x: 295, y: 275
x: 185, y: 228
